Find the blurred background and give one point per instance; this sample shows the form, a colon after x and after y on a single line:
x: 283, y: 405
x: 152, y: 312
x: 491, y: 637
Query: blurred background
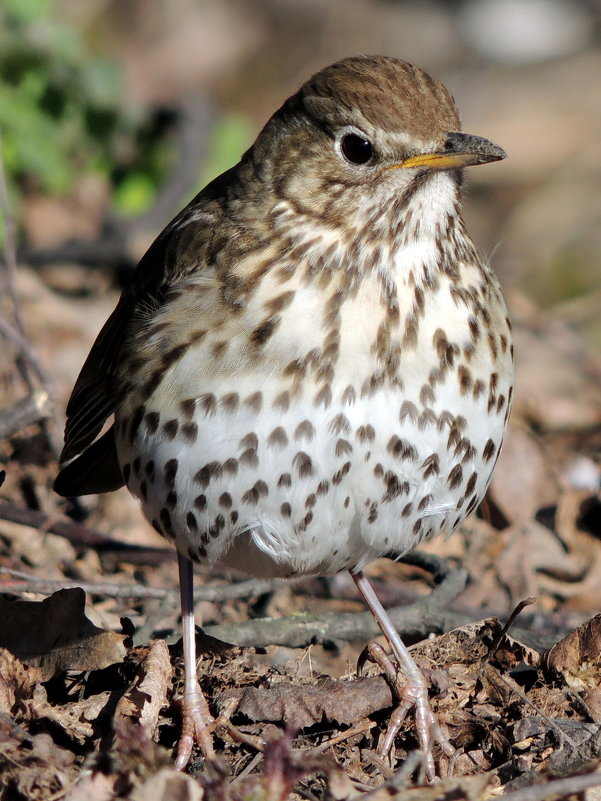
x: 113, y: 113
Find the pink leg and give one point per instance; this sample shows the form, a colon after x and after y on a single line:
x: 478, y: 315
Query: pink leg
x: 411, y: 689
x: 196, y: 718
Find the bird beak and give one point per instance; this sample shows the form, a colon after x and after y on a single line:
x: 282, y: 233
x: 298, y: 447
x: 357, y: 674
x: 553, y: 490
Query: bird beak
x: 461, y: 150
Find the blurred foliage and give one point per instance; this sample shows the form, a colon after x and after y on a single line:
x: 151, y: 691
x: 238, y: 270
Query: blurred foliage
x: 61, y: 112
x: 232, y: 135
x: 62, y: 115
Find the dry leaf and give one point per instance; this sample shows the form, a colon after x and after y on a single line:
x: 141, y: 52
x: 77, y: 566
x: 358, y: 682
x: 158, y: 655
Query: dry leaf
x: 577, y: 656
x: 147, y: 694
x: 55, y: 635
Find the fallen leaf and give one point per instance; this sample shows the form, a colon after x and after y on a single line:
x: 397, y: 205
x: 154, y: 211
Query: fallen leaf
x: 55, y: 635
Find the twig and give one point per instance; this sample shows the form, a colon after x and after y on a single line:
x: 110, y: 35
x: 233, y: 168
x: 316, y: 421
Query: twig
x: 26, y: 582
x: 25, y: 412
x: 555, y: 789
x: 518, y: 609
x: 81, y: 535
x: 426, y: 616
x: 492, y: 675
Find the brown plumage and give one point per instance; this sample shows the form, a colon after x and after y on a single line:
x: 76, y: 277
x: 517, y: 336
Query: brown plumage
x: 311, y: 366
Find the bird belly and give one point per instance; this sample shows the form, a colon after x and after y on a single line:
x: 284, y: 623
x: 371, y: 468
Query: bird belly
x: 308, y: 488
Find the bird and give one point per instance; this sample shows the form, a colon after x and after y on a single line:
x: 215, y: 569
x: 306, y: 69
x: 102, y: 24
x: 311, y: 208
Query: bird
x: 311, y: 366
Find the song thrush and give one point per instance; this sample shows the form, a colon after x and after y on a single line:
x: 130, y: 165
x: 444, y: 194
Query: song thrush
x: 311, y: 366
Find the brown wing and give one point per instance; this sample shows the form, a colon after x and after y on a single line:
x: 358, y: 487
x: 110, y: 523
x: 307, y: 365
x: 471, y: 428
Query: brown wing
x: 97, y: 391
x: 191, y: 239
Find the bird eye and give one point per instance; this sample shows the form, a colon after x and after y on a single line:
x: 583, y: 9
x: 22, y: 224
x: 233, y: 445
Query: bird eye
x: 356, y: 149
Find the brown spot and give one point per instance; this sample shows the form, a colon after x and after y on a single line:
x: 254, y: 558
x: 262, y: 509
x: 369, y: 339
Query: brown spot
x: 373, y: 513
x: 471, y: 484
x: 191, y: 522
x: 478, y: 389
x: 310, y: 501
x: 277, y: 438
x: 393, y: 487
x: 234, y: 516
x: 410, y: 334
x: 378, y: 470
x: 171, y: 499
x: 173, y: 355
x: 170, y: 471
x: 265, y: 330
x: 218, y: 350
x: 188, y: 407
x: 296, y: 368
x: 417, y: 527
x: 285, y: 480
x: 254, y: 402
x: 165, y: 518
x: 489, y: 450
x: 427, y: 418
x: 152, y: 422
x: 323, y: 487
x: 426, y: 395
x: 280, y: 302
x: 193, y: 554
x: 500, y: 403
x: 230, y: 402
x: 340, y: 424
x: 207, y: 403
x: 323, y: 397
x: 225, y: 500
x: 153, y: 382
x: 230, y: 467
x: 304, y: 465
x: 251, y: 496
x: 249, y: 458
x: 347, y: 500
x: 424, y: 503
x: 343, y: 447
x: 282, y: 401
x: 455, y: 477
x: 169, y: 429
x: 197, y: 335
x: 204, y: 476
x: 340, y: 474
x: 249, y: 441
x: 349, y: 395
x: 286, y: 509
x: 189, y: 432
x: 465, y: 379
x: 365, y: 434
x: 408, y: 410
x: 304, y: 430
x: 407, y: 509
x: 401, y: 449
x: 149, y: 470
x: 305, y: 522
x: 471, y: 505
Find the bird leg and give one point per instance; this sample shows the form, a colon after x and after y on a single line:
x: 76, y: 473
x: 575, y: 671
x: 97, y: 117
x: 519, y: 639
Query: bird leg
x: 196, y: 718
x: 411, y: 688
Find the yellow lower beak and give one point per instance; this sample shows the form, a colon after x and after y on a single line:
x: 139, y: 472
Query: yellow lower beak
x: 461, y: 150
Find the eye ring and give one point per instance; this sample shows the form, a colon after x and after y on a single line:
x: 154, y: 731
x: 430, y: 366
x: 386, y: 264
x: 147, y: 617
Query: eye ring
x: 356, y: 149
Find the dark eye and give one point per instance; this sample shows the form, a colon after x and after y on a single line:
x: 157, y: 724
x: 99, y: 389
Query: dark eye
x: 356, y: 149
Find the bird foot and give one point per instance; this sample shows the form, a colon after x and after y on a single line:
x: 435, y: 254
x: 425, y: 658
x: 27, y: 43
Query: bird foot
x: 197, y: 727
x: 411, y: 692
